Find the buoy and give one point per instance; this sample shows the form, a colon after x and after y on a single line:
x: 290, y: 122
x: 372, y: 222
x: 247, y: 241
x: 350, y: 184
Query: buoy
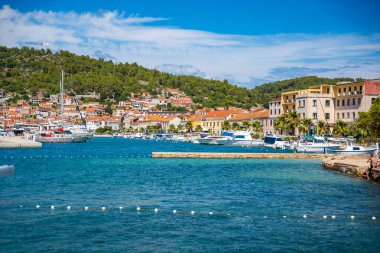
x: 174, y: 211
x: 324, y: 217
x: 68, y: 207
x: 120, y: 207
x: 86, y: 208
x: 333, y: 217
x: 52, y: 207
x: 138, y: 208
x: 37, y: 206
x: 373, y: 218
x: 304, y: 216
x: 352, y: 217
x: 103, y: 208
x: 210, y: 213
x: 192, y: 212
x: 156, y: 210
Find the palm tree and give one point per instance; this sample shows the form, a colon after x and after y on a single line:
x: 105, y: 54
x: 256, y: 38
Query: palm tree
x: 257, y: 127
x: 148, y: 128
x: 246, y: 125
x: 171, y: 128
x: 340, y: 128
x: 179, y: 128
x: 235, y: 126
x: 142, y: 130
x: 226, y: 125
x: 293, y: 121
x: 322, y: 127
x: 198, y: 128
x: 303, y: 127
x: 189, y: 126
x: 155, y: 129
x: 282, y: 123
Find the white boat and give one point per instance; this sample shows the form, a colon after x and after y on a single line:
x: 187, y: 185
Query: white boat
x: 353, y: 149
x: 63, y: 136
x: 238, y: 138
x: 273, y: 141
x: 211, y: 140
x: 118, y: 135
x: 313, y: 144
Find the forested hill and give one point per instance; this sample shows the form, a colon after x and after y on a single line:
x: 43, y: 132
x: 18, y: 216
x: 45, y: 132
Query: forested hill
x: 28, y: 70
x: 265, y: 92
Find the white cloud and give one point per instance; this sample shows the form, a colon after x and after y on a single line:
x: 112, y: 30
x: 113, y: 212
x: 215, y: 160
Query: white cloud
x: 240, y: 58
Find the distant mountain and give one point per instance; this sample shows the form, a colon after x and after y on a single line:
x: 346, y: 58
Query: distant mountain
x: 28, y: 70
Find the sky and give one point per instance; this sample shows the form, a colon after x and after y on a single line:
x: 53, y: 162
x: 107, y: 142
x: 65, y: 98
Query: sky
x: 248, y: 42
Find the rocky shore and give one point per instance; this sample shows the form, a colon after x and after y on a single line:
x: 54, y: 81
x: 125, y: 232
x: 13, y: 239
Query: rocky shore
x: 354, y: 165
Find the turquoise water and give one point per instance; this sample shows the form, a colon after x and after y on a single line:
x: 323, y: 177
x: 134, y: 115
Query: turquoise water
x: 248, y: 199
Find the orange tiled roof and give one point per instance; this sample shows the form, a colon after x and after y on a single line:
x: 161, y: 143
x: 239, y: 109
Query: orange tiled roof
x: 250, y: 115
x: 194, y: 117
x: 221, y: 114
x: 276, y: 99
x: 96, y: 118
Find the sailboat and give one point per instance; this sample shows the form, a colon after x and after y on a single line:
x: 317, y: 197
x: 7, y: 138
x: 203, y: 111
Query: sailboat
x: 57, y: 134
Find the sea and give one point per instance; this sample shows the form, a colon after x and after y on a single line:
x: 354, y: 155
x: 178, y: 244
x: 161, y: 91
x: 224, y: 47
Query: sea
x: 123, y: 200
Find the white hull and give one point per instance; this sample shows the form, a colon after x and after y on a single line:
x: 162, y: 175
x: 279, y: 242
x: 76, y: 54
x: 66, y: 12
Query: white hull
x: 354, y: 152
x: 316, y: 148
x: 239, y: 142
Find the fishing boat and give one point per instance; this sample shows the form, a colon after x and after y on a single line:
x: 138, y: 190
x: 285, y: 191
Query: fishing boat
x: 313, y: 144
x: 353, y: 149
x: 238, y: 138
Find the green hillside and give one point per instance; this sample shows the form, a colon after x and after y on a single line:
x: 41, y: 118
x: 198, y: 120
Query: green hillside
x: 28, y: 70
x: 264, y: 93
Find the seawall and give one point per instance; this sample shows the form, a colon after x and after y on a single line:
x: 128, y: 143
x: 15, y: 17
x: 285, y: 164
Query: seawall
x: 237, y: 155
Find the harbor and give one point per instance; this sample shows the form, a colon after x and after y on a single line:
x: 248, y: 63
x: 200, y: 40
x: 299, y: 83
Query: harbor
x: 18, y: 142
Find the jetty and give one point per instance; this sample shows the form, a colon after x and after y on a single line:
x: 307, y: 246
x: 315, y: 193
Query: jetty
x: 18, y: 142
x: 211, y: 155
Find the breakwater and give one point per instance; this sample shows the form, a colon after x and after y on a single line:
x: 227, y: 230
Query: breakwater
x: 237, y: 155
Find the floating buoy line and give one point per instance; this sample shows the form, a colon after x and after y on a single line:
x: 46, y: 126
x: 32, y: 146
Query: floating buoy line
x: 139, y: 210
x: 72, y: 156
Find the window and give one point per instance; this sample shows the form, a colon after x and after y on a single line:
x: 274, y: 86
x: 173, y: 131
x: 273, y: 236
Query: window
x: 353, y: 101
x: 359, y: 101
x: 373, y: 101
x: 344, y: 90
x: 327, y: 103
x: 328, y: 90
x: 299, y: 103
x: 354, y: 88
x: 314, y: 103
x: 349, y: 89
x: 303, y: 103
x: 348, y: 102
x: 303, y: 115
x: 279, y: 112
x: 342, y: 115
x: 337, y: 115
x: 339, y: 90
x: 315, y: 116
x: 342, y: 102
x: 337, y: 103
x: 327, y: 115
x: 348, y: 115
x: 353, y: 115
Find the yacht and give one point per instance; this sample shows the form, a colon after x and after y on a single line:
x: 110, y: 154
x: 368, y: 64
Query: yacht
x: 58, y: 136
x: 353, y: 149
x: 211, y: 139
x: 273, y: 141
x: 238, y: 138
x: 313, y: 144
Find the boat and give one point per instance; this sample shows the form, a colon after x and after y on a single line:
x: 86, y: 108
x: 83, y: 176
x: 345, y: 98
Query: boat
x: 211, y: 140
x: 238, y: 138
x: 273, y: 141
x: 314, y: 144
x: 353, y: 149
x: 118, y: 135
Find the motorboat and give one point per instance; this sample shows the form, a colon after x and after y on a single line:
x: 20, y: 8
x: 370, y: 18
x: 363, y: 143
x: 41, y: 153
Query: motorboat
x: 314, y: 144
x: 238, y: 138
x: 211, y: 139
x: 273, y: 141
x: 118, y: 135
x: 353, y: 149
x: 59, y: 136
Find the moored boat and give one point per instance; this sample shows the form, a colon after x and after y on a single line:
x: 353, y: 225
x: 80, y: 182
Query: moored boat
x: 353, y: 149
x: 313, y: 144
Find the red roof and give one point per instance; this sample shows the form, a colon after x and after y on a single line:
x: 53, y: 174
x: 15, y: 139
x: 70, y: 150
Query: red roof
x: 221, y: 114
x: 372, y: 87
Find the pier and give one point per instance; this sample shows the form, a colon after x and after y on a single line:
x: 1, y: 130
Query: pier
x: 18, y: 142
x: 238, y: 155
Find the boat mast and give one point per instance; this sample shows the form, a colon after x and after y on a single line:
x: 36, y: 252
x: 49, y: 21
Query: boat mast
x: 3, y: 108
x: 62, y: 101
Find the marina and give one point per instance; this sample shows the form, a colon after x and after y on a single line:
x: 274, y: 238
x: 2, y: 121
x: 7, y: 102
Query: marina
x: 114, y: 188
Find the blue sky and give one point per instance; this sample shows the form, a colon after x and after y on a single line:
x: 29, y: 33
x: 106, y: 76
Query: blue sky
x: 246, y: 42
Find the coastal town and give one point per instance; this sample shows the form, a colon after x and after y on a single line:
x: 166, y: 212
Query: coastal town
x: 173, y: 111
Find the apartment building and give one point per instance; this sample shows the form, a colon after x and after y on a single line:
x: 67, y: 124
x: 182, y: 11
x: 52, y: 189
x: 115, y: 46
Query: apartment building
x: 274, y: 113
x: 354, y: 97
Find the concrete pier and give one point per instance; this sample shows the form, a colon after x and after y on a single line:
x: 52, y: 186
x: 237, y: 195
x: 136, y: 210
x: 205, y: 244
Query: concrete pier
x: 238, y: 155
x: 18, y: 142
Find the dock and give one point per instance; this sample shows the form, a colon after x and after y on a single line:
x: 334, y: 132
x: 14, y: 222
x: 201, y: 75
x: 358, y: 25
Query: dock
x: 18, y: 142
x: 209, y: 155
